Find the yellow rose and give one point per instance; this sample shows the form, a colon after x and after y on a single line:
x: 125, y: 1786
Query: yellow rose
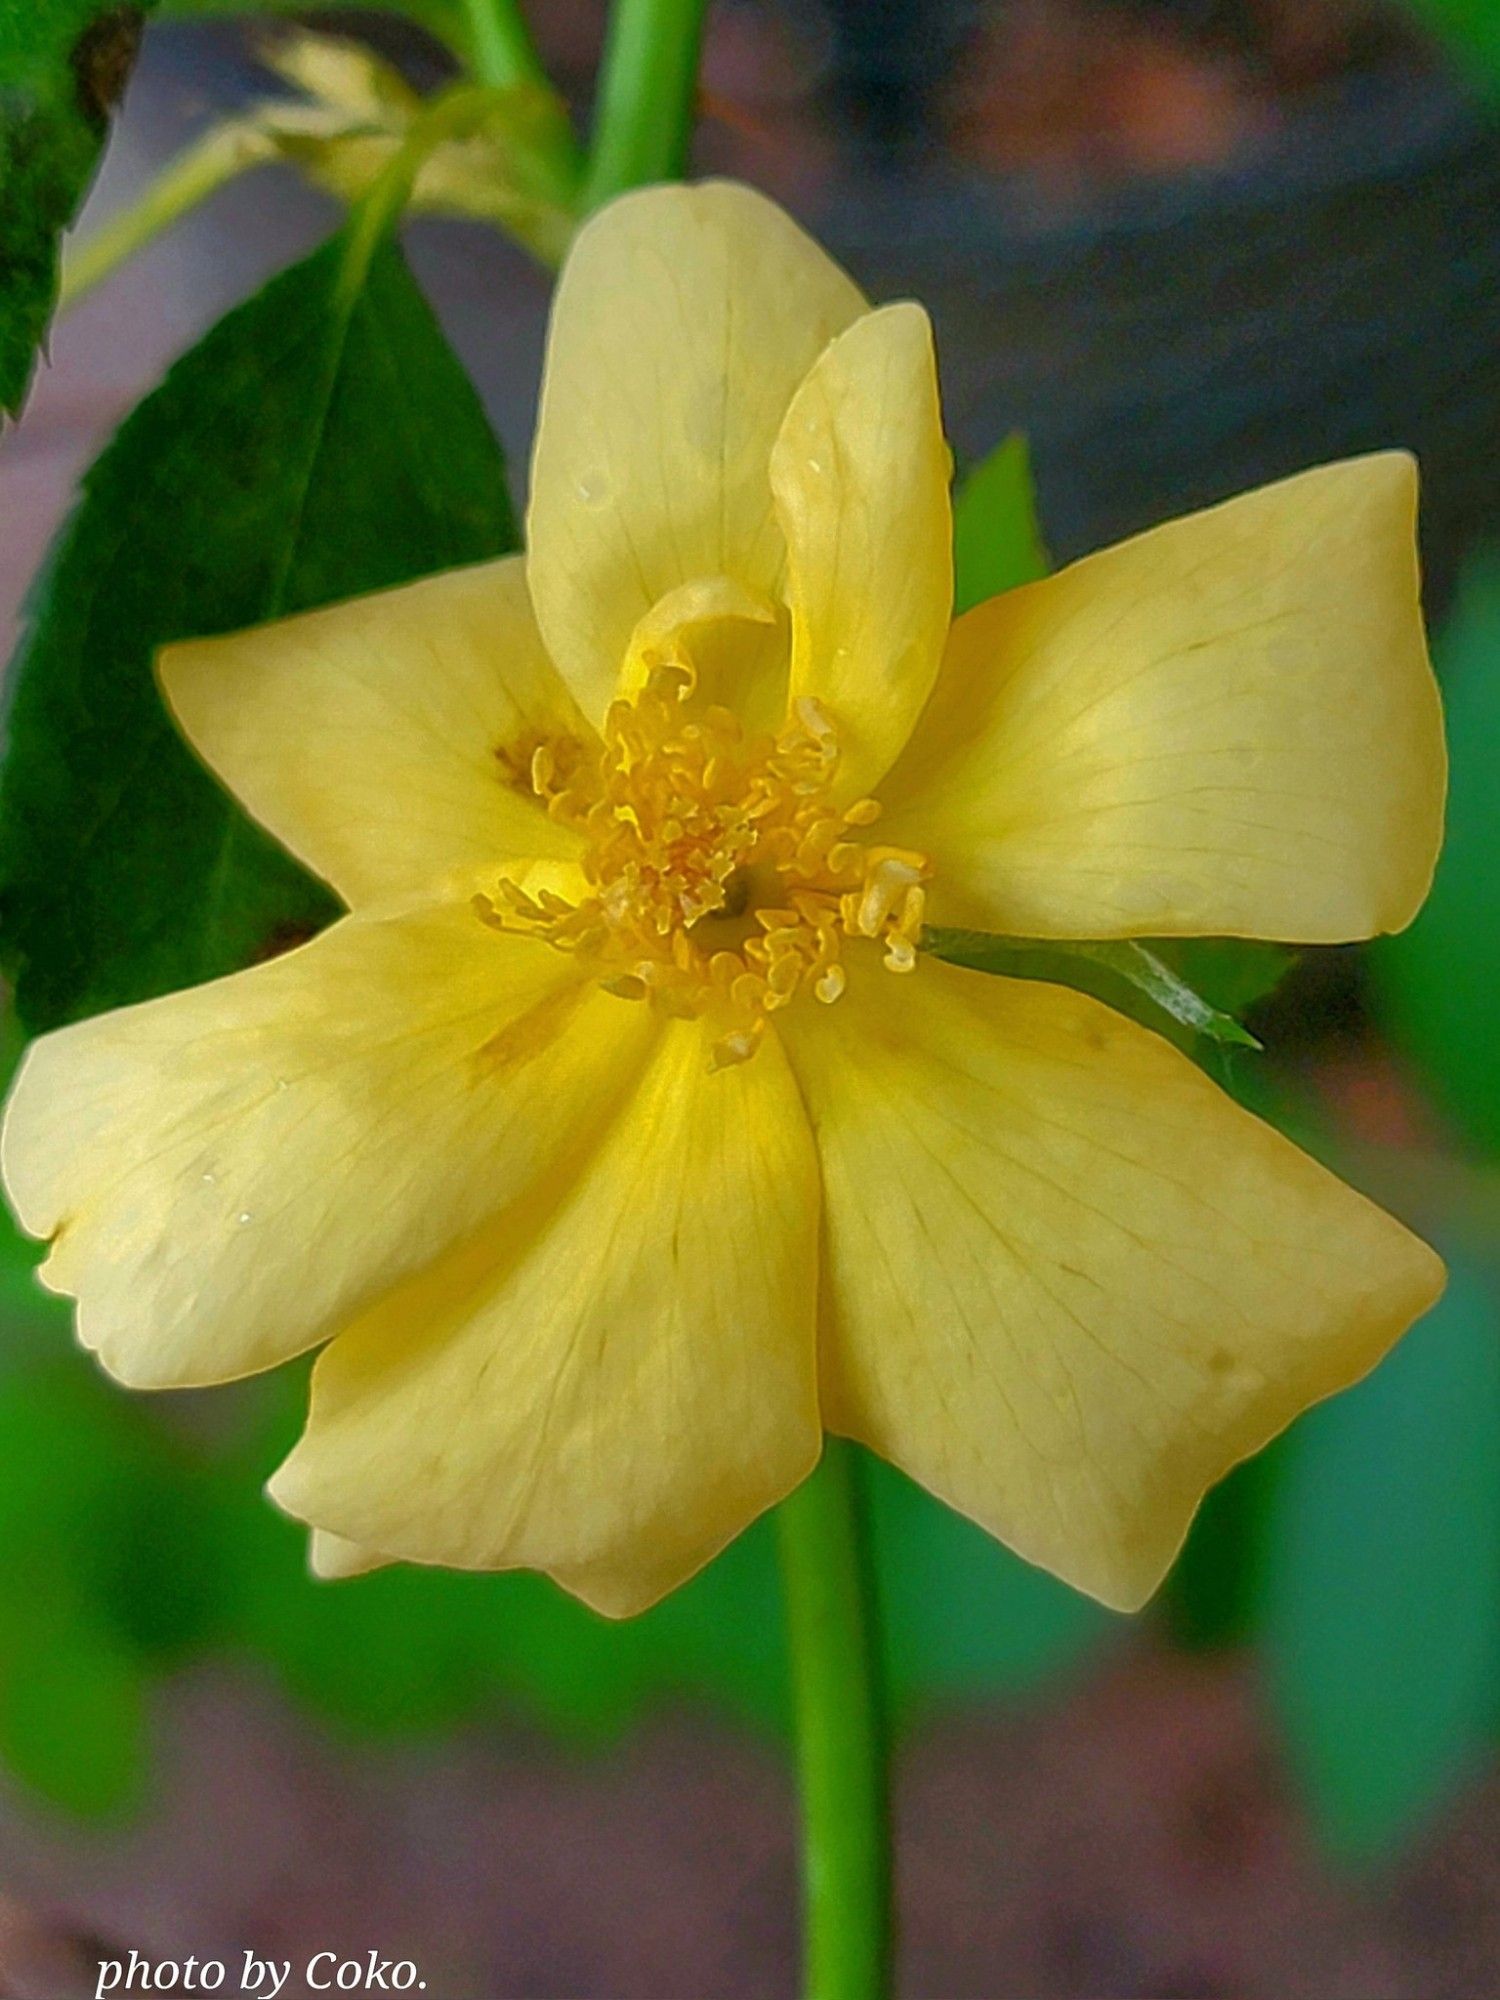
x: 620, y: 1141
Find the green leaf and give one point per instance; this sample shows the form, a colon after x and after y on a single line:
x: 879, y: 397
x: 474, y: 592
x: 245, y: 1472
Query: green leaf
x: 1437, y: 982
x: 72, y: 1709
x: 1471, y: 28
x: 1212, y: 1596
x: 72, y: 1685
x: 1125, y: 973
x: 1230, y: 974
x: 32, y: 1321
x: 1382, y: 1613
x: 320, y: 442
x: 443, y: 18
x: 63, y: 65
x: 963, y: 1618
x: 997, y: 539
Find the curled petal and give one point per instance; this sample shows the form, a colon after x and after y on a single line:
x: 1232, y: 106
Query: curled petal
x: 860, y: 473
x: 684, y: 320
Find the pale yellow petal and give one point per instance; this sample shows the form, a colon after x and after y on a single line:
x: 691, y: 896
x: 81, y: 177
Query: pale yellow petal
x: 387, y: 741
x: 684, y: 320
x: 1069, y: 1282
x: 1227, y: 726
x: 612, y: 1385
x: 230, y: 1173
x: 335, y: 1560
x: 860, y: 473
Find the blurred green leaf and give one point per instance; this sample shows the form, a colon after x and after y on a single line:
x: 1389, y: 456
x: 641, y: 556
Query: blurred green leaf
x: 72, y: 1707
x: 1230, y: 974
x: 68, y: 1446
x: 31, y: 1321
x: 1471, y: 28
x: 63, y: 65
x: 997, y: 539
x: 1128, y: 974
x: 442, y: 17
x: 72, y: 1685
x: 1437, y: 982
x: 154, y: 1563
x: 963, y: 1618
x: 1382, y: 1611
x: 319, y: 442
x: 1212, y: 1596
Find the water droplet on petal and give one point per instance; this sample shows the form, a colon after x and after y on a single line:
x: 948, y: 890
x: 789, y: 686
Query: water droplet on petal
x: 244, y: 1216
x: 593, y: 489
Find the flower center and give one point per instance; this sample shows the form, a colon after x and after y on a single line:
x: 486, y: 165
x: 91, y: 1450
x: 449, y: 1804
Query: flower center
x: 723, y: 879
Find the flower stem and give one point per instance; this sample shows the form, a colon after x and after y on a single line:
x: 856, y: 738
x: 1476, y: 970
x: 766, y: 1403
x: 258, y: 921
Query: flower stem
x: 192, y: 177
x: 648, y: 83
x: 832, y: 1633
x: 503, y: 53
x: 451, y: 114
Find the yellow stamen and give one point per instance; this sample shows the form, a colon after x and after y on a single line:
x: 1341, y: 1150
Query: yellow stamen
x: 722, y: 877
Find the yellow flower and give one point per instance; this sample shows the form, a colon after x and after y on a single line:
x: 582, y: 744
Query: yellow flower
x: 618, y: 1140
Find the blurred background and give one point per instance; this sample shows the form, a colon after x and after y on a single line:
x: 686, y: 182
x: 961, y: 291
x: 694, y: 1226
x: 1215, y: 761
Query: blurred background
x: 1184, y: 246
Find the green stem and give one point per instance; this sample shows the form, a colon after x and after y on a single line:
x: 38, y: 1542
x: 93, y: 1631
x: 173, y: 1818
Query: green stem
x: 648, y: 85
x: 194, y: 175
x: 452, y: 114
x: 832, y: 1632
x: 500, y: 42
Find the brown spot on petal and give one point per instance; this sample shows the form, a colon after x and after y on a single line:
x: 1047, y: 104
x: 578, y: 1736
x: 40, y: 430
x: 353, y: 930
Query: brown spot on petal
x: 534, y: 1031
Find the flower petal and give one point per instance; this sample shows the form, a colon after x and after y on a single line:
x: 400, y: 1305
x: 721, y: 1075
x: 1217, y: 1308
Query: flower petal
x: 684, y: 320
x: 387, y: 741
x: 232, y: 1172
x: 1227, y: 726
x: 609, y: 1387
x: 335, y: 1560
x: 1069, y: 1282
x: 860, y: 473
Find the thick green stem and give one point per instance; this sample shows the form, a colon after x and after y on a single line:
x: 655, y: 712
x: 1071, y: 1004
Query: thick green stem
x: 502, y: 51
x: 648, y: 84
x: 192, y: 177
x: 832, y: 1632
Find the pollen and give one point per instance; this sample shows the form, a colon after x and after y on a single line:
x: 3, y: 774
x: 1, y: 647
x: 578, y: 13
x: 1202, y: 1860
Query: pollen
x: 723, y: 879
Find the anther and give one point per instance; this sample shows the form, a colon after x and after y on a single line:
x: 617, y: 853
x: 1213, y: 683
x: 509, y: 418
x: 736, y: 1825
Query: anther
x: 831, y: 984
x: 685, y: 818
